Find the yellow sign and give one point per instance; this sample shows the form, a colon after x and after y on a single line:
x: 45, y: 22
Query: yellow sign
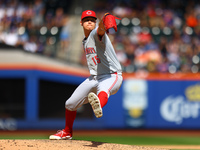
x: 193, y: 92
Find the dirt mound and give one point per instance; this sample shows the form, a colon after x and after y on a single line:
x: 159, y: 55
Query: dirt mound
x: 66, y: 144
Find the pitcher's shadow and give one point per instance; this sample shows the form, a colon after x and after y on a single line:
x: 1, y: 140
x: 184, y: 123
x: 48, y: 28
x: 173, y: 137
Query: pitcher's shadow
x: 94, y: 144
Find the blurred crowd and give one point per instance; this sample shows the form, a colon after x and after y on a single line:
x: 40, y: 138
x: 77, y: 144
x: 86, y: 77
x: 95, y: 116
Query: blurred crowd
x: 153, y: 36
x: 158, y: 36
x: 33, y: 27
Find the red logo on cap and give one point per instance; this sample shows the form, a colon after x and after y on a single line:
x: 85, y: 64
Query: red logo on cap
x: 88, y: 12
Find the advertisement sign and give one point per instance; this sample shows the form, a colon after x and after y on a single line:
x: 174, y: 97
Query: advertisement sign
x: 173, y: 104
x: 134, y: 102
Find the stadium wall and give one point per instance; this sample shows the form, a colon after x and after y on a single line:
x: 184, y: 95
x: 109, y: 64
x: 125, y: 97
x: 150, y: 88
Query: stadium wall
x: 33, y: 97
x: 151, y: 101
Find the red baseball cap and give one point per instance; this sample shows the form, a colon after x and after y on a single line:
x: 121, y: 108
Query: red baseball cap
x: 88, y: 13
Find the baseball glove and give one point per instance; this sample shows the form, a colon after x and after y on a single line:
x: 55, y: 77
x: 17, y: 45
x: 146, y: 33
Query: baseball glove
x: 110, y: 22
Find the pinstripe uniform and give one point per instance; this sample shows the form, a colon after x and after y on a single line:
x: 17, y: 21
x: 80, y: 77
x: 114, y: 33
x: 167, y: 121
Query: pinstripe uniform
x: 104, y: 67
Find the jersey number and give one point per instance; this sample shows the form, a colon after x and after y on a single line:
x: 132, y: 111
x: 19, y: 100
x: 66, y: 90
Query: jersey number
x: 96, y: 60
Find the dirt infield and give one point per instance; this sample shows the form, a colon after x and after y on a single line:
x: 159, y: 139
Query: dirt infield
x: 91, y: 145
x: 66, y: 144
x: 80, y: 145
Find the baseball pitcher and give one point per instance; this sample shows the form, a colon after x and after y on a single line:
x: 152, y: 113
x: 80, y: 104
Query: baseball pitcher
x: 105, y: 70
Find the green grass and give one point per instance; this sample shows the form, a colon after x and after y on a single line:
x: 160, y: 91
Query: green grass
x: 22, y: 137
x: 145, y: 140
x: 130, y: 140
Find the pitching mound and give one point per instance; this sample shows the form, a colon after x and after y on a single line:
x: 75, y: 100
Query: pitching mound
x: 66, y: 144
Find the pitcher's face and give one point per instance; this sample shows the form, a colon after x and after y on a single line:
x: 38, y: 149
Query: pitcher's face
x: 88, y: 23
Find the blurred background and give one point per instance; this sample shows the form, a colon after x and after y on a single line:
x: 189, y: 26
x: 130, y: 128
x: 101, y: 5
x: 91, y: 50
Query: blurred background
x: 157, y: 44
x: 153, y: 36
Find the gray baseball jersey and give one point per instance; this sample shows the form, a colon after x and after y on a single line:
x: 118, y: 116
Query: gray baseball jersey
x: 100, y: 54
x: 105, y: 70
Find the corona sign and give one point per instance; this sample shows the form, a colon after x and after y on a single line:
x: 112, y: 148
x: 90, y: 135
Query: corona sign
x: 173, y: 104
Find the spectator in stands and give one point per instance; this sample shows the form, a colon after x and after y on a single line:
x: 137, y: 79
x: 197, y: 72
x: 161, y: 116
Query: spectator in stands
x: 173, y: 28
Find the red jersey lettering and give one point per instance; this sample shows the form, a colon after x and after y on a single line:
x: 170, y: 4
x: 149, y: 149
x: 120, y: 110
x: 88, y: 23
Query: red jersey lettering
x: 89, y: 50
